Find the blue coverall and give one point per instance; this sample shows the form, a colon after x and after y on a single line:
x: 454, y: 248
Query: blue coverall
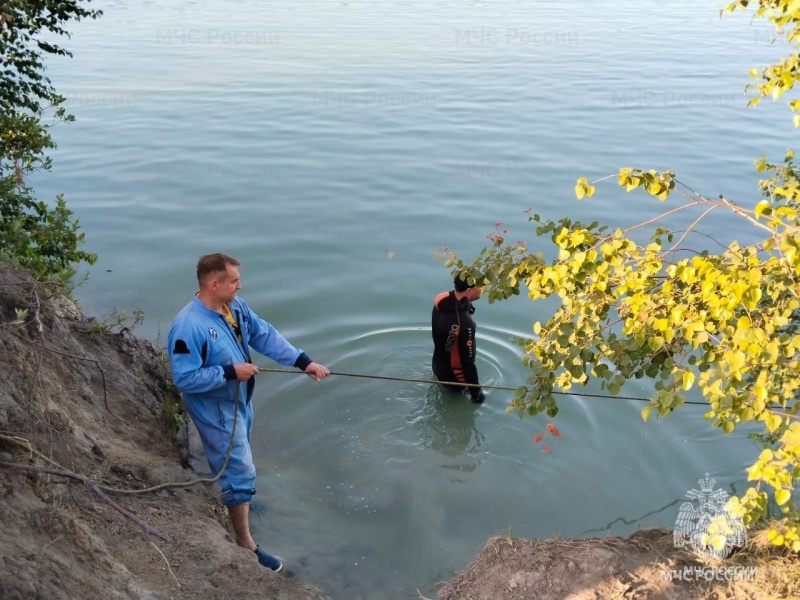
x: 203, y: 347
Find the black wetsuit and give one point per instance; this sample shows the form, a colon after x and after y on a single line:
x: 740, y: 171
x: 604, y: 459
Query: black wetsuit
x: 454, y: 351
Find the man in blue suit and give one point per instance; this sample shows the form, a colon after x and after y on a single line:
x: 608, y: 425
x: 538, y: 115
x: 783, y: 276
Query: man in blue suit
x: 209, y: 351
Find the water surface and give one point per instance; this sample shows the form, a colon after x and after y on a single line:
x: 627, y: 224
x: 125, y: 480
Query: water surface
x: 332, y: 146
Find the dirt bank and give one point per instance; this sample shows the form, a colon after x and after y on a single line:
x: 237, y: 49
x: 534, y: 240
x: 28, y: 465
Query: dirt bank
x: 643, y: 566
x: 89, y: 400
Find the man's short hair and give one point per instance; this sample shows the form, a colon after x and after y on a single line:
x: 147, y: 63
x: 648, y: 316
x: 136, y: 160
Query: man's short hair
x: 214, y: 263
x: 461, y: 285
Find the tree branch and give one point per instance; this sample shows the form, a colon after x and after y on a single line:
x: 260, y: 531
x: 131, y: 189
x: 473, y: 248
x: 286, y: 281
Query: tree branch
x: 92, y: 485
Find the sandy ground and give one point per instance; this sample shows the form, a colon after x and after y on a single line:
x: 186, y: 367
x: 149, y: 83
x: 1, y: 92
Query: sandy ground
x: 89, y: 402
x: 645, y: 565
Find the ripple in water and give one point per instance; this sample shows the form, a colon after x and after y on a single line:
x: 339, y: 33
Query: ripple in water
x: 414, y: 415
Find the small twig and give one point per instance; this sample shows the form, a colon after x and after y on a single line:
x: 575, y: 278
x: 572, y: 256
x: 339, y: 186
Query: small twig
x: 782, y: 413
x: 17, y: 283
x: 661, y: 216
x: 36, y: 368
x: 34, y: 283
x: 41, y: 554
x: 96, y: 362
x: 36, y: 318
x: 421, y: 596
x: 83, y: 510
x: 168, y: 567
x: 690, y: 228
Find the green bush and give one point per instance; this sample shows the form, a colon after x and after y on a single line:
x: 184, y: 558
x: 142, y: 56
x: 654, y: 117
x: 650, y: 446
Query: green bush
x: 39, y: 236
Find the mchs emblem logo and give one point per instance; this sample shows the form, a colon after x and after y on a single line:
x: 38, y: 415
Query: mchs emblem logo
x: 212, y: 333
x: 712, y: 528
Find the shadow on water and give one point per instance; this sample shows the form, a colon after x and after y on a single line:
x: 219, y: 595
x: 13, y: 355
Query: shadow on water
x: 446, y: 423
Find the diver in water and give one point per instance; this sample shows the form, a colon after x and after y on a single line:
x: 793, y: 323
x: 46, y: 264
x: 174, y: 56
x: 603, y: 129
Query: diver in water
x: 453, y: 330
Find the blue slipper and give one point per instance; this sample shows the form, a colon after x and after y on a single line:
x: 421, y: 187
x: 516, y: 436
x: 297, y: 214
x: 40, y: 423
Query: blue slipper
x: 267, y: 560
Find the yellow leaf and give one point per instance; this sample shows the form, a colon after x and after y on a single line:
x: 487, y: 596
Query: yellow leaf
x: 772, y: 421
x: 772, y: 534
x: 782, y: 496
x: 760, y: 391
x: 688, y: 380
x: 761, y: 206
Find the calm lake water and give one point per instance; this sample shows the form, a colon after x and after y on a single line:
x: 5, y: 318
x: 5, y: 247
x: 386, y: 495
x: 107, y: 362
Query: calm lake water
x: 332, y: 146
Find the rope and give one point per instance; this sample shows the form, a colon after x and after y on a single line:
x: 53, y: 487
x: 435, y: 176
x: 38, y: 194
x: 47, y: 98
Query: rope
x: 191, y: 482
x: 490, y: 387
x: 26, y: 444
